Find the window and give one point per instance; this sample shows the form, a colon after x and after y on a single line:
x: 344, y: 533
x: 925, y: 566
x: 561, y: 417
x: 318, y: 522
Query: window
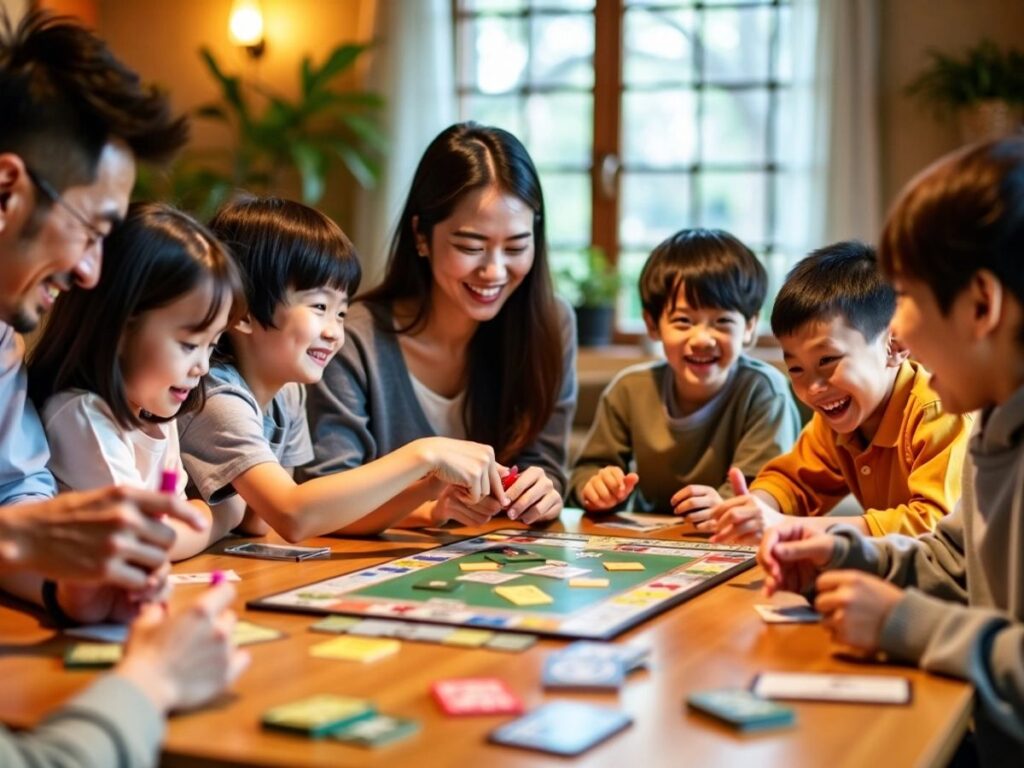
x: 674, y: 123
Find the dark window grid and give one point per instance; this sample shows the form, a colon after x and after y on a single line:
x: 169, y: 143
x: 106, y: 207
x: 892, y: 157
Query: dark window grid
x: 523, y: 13
x: 526, y: 90
x: 696, y: 5
x: 770, y: 168
x: 706, y: 85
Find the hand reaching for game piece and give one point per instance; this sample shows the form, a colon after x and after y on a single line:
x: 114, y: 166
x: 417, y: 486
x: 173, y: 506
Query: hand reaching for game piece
x: 533, y: 497
x: 453, y: 504
x: 607, y: 489
x: 854, y: 606
x: 90, y: 602
x: 470, y: 466
x: 743, y: 518
x: 696, y: 502
x: 792, y: 557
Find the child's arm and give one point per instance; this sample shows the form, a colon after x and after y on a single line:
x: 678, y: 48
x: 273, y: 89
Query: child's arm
x: 597, y: 482
x: 325, y: 504
x: 219, y: 521
x: 935, y: 447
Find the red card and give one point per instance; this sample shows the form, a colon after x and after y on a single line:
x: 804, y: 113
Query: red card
x: 476, y: 696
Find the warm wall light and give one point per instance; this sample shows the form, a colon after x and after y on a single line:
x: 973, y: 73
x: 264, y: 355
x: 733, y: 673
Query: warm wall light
x: 245, y: 26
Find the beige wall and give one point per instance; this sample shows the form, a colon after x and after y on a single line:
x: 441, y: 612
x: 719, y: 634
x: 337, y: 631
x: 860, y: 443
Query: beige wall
x: 161, y: 40
x: 911, y: 136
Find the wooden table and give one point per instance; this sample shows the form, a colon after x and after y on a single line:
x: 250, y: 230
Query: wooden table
x: 714, y: 640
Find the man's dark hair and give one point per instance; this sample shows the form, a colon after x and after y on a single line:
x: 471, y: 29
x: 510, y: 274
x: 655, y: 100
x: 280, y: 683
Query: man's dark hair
x: 839, y: 280
x: 63, y: 96
x: 715, y: 269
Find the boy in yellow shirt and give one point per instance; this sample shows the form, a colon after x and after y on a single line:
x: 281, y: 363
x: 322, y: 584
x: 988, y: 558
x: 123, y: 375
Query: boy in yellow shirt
x: 878, y: 430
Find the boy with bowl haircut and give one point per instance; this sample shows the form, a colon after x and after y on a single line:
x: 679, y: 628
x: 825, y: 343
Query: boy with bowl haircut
x: 951, y: 601
x: 670, y: 430
x: 878, y: 430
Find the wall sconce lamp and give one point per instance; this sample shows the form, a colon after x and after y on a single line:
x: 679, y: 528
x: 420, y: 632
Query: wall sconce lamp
x: 245, y: 26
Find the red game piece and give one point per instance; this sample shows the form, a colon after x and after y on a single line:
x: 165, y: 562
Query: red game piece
x: 510, y: 478
x: 476, y: 696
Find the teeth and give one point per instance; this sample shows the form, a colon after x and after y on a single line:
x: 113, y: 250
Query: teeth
x: 52, y: 291
x: 487, y: 293
x: 701, y: 360
x: 835, y: 405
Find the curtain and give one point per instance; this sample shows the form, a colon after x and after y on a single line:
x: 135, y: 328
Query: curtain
x: 413, y: 68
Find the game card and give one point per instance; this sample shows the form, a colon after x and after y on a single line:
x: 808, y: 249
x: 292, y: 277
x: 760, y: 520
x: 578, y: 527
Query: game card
x: 787, y: 614
x: 202, y: 578
x: 487, y: 577
x: 562, y: 728
x: 476, y: 696
x: 865, y: 689
x: 556, y: 571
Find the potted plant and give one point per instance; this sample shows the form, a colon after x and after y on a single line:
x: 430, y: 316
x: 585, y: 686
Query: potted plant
x: 275, y: 137
x: 592, y: 288
x: 983, y: 89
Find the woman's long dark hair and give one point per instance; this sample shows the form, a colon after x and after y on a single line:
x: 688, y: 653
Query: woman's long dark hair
x: 515, y: 360
x: 154, y: 258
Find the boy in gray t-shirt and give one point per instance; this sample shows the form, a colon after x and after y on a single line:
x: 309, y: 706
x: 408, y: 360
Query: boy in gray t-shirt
x: 299, y: 270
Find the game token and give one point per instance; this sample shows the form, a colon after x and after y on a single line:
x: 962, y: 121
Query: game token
x: 92, y: 655
x: 476, y: 696
x: 526, y: 594
x: 376, y: 731
x: 478, y: 566
x: 318, y: 715
x: 631, y: 566
x: 348, y: 648
x: 510, y: 478
x: 436, y: 585
x: 335, y: 625
x: 582, y: 582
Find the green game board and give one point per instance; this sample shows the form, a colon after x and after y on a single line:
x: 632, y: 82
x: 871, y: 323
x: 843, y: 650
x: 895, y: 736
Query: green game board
x: 674, y: 571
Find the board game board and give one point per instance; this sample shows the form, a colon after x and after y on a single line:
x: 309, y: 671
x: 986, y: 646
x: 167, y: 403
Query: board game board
x: 673, y: 571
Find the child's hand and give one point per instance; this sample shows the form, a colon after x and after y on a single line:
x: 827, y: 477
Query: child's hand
x: 607, y: 489
x: 854, y: 606
x: 534, y: 497
x: 471, y: 466
x: 453, y: 504
x: 742, y: 519
x: 695, y: 501
x: 792, y: 557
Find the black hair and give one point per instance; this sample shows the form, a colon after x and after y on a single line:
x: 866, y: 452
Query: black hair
x: 962, y: 214
x: 280, y: 244
x: 715, y: 269
x: 154, y: 258
x: 839, y: 280
x: 515, y: 360
x: 63, y: 96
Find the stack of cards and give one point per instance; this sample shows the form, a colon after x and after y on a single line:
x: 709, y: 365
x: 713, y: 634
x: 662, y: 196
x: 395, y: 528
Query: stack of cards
x: 787, y: 614
x: 562, y: 728
x: 476, y: 696
x: 510, y: 642
x: 741, y: 709
x: 376, y: 731
x: 318, y: 716
x: 92, y: 655
x: 589, y: 665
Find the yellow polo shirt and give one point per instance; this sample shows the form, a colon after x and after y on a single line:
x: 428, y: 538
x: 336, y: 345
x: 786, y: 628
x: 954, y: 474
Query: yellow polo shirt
x: 906, y: 480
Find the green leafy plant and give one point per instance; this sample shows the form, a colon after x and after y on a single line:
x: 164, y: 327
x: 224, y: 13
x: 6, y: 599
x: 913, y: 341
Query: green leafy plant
x: 595, y: 283
x: 274, y: 136
x: 984, y: 72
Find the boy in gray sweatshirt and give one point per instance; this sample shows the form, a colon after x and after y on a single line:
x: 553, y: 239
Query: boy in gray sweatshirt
x: 951, y: 601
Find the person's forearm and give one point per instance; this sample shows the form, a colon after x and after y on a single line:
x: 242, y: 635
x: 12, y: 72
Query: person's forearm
x: 768, y: 499
x: 413, y: 500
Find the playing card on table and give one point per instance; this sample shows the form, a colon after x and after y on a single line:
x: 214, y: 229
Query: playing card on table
x: 476, y: 696
x: 202, y: 578
x: 787, y: 614
x: 247, y: 633
x: 563, y: 670
x: 488, y: 577
x: 562, y: 728
x: 524, y: 595
x: 348, y: 648
x: 318, y: 715
x: 376, y: 731
x: 556, y: 571
x: 92, y: 655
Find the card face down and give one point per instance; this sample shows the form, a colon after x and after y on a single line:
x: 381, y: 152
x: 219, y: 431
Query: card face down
x: 562, y: 728
x: 741, y: 709
x: 864, y: 689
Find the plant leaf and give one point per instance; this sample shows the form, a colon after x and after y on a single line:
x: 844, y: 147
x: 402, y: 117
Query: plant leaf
x: 359, y: 165
x: 367, y: 130
x: 312, y: 165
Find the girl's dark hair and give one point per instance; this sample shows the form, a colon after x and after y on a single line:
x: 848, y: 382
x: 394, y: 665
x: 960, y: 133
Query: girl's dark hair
x: 156, y: 256
x: 715, y: 268
x: 962, y: 214
x: 515, y: 360
x: 280, y: 244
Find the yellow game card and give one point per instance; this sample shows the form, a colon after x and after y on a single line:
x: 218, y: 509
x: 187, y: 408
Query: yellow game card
x: 478, y: 566
x: 318, y: 715
x: 468, y: 638
x: 581, y: 582
x: 624, y: 566
x: 526, y: 594
x: 247, y: 633
x: 350, y: 648
x: 92, y: 655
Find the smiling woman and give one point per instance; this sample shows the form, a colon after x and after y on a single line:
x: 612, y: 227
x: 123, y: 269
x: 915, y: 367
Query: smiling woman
x: 464, y: 337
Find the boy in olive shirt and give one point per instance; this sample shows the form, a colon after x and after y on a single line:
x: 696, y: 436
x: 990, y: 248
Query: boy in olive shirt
x: 667, y: 432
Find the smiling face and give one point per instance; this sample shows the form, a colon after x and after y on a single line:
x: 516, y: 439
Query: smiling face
x: 308, y: 331
x: 61, y: 251
x: 164, y: 355
x: 701, y: 346
x: 480, y: 254
x: 840, y: 374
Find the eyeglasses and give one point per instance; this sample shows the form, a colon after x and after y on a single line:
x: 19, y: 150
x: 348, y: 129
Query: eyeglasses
x: 55, y: 197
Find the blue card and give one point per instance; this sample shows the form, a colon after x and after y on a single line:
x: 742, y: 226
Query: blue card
x: 741, y: 709
x: 583, y: 672
x: 632, y: 657
x: 562, y: 728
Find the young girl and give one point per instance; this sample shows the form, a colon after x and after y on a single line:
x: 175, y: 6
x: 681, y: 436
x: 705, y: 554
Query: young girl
x: 240, y: 450
x: 463, y: 338
x: 116, y: 365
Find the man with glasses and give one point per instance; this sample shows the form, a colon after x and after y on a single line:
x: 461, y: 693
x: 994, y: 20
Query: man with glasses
x: 73, y: 121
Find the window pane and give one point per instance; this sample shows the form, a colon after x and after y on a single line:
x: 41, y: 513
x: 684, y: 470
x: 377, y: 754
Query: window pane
x: 561, y: 129
x: 658, y: 47
x: 736, y: 45
x: 734, y: 202
x: 630, y: 312
x: 563, y: 50
x: 500, y: 111
x: 659, y: 128
x: 653, y: 206
x: 735, y: 126
x: 739, y: 2
x: 491, y: 5
x: 567, y: 205
x: 563, y: 5
x: 494, y: 53
x: 784, y: 65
